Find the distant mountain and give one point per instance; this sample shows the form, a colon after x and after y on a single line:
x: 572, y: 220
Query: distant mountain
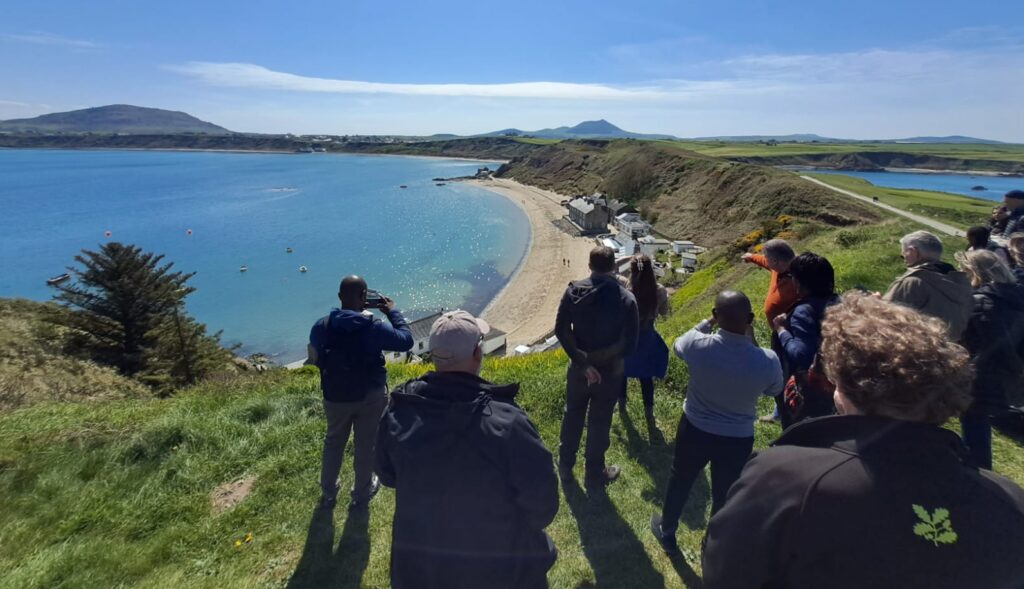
x: 600, y: 129
x: 802, y: 137
x: 948, y: 139
x: 115, y: 118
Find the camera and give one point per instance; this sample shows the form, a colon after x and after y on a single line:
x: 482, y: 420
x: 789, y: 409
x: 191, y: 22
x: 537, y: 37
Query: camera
x: 375, y: 300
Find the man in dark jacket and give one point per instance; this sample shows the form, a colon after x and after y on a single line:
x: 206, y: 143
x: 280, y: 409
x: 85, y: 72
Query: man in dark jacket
x: 597, y: 325
x: 930, y: 285
x: 474, y: 485
x: 1014, y: 202
x: 880, y: 495
x: 347, y: 346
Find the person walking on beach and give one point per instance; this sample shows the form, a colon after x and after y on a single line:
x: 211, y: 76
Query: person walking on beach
x: 597, y: 325
x: 728, y: 374
x: 776, y: 256
x: 347, y: 346
x: 650, y: 360
x: 880, y: 495
x: 474, y: 484
x: 930, y: 285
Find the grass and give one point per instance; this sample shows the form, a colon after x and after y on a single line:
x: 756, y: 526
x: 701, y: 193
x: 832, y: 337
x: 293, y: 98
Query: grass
x: 726, y: 149
x: 117, y: 493
x: 955, y: 209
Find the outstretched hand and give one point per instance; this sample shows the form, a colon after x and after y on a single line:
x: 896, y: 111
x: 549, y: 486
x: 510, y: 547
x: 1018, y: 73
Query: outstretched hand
x: 387, y: 305
x: 780, y: 321
x: 747, y: 257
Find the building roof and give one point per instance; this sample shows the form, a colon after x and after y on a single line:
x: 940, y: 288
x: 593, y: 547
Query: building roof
x: 494, y: 334
x: 421, y: 327
x: 682, y: 242
x: 582, y: 205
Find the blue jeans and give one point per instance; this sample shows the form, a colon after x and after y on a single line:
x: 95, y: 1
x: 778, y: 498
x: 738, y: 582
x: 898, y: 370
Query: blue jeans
x: 976, y: 431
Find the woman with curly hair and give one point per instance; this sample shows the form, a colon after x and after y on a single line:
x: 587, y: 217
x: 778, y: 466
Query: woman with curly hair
x: 995, y: 339
x: 880, y: 495
x: 650, y: 360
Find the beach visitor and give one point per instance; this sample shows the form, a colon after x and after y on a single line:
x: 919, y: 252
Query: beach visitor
x: 1014, y: 202
x: 650, y: 359
x: 347, y: 347
x: 997, y: 223
x: 597, y: 325
x: 728, y: 373
x: 879, y: 495
x: 979, y: 238
x: 995, y: 339
x: 930, y: 285
x: 808, y: 393
x: 775, y: 256
x: 474, y: 485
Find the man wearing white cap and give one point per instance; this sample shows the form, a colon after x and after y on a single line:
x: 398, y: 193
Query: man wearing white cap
x: 474, y: 484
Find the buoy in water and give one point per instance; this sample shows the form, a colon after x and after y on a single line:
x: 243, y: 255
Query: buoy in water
x: 243, y: 268
x: 288, y: 250
x: 303, y: 269
x: 188, y: 232
x: 108, y: 233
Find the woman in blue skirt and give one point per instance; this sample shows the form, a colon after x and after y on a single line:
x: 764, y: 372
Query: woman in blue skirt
x: 650, y: 360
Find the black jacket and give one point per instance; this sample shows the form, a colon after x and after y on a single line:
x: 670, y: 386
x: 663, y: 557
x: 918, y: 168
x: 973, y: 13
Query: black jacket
x: 474, y: 486
x: 995, y: 338
x: 597, y: 322
x: 857, y: 501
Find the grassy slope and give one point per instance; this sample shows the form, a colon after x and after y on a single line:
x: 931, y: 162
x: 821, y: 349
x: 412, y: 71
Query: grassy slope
x: 117, y: 493
x: 1009, y: 152
x: 955, y: 209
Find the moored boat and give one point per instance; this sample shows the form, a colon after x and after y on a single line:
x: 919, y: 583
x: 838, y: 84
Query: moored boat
x: 58, y: 279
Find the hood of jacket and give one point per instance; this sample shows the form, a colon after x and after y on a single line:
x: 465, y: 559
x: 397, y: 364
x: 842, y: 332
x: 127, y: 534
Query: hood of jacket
x: 594, y: 290
x: 458, y: 392
x: 868, y: 434
x: 944, y: 279
x: 1010, y: 296
x: 346, y: 320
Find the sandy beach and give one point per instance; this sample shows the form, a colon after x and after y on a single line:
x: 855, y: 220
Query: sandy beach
x: 526, y: 308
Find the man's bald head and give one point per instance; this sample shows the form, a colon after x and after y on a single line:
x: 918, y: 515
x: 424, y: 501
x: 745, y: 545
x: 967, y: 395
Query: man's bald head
x: 352, y: 293
x: 733, y: 311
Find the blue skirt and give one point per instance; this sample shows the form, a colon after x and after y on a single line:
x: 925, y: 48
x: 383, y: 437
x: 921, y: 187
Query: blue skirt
x: 651, y: 357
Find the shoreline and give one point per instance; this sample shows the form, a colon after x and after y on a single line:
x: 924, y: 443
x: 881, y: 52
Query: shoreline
x: 525, y: 308
x: 263, y: 151
x: 986, y: 173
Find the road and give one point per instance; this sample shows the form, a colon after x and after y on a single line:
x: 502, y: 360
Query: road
x: 947, y: 229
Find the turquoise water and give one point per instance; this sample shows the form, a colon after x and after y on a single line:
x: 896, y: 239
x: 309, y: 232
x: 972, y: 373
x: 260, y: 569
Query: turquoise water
x: 426, y: 246
x: 995, y: 186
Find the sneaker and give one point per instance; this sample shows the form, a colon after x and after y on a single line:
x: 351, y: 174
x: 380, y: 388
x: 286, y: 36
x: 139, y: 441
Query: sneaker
x: 609, y: 474
x: 667, y: 541
x: 364, y: 499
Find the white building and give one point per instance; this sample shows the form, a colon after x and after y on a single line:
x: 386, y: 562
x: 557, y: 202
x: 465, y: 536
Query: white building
x: 683, y: 246
x: 493, y: 341
x: 631, y: 225
x: 688, y: 261
x: 651, y: 245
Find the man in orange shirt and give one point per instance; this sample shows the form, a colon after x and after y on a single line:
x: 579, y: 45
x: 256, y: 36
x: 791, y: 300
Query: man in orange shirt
x: 782, y: 293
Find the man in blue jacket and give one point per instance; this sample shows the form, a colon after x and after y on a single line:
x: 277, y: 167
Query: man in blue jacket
x: 347, y: 346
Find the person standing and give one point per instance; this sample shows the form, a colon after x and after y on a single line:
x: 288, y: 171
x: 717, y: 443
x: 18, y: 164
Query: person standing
x: 650, y: 360
x: 930, y: 285
x: 1014, y: 202
x: 776, y: 256
x: 347, y: 346
x: 597, y: 325
x: 728, y: 374
x: 474, y: 484
x: 979, y: 237
x: 808, y: 392
x: 1015, y: 245
x: 995, y: 339
x: 879, y: 495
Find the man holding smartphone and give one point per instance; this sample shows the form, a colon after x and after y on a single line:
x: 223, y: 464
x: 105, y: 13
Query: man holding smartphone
x: 348, y: 347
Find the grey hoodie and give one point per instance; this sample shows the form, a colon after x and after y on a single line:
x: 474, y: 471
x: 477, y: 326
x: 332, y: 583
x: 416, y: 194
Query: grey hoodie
x: 937, y: 289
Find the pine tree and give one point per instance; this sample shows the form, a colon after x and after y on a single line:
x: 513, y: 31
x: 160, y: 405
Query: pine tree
x: 126, y: 309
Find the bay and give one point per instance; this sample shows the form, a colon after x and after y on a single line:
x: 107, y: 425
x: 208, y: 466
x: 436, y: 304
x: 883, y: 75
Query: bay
x: 994, y: 186
x: 427, y: 246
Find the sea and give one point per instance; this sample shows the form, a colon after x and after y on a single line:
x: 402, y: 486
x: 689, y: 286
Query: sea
x: 429, y: 247
x: 993, y: 187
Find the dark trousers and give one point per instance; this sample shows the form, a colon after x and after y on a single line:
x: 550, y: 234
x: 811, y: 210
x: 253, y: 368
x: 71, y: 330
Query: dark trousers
x: 342, y: 418
x: 694, y: 450
x: 646, y: 389
x: 976, y: 431
x: 593, y: 405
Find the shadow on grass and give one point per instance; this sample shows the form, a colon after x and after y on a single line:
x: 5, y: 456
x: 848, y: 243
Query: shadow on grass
x: 690, y: 578
x: 323, y: 566
x: 615, y: 553
x: 656, y: 458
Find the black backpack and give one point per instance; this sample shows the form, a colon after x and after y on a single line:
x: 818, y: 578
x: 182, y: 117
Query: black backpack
x: 345, y: 366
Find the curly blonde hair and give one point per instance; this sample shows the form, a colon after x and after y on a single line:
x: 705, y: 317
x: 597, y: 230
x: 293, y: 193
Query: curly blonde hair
x: 892, y: 361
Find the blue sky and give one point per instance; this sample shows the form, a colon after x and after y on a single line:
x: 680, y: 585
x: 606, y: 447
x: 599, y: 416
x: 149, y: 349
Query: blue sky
x: 869, y: 69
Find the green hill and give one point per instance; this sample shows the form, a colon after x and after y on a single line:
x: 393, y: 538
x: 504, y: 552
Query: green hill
x: 115, y: 118
x: 156, y: 493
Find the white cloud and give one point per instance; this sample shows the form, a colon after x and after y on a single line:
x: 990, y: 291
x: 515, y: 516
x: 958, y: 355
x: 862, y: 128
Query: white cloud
x: 41, y: 38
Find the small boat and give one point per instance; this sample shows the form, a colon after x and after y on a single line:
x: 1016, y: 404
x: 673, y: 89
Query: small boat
x: 287, y: 250
x: 403, y: 186
x: 244, y: 268
x: 978, y: 188
x: 58, y: 279
x: 439, y: 184
x: 303, y: 269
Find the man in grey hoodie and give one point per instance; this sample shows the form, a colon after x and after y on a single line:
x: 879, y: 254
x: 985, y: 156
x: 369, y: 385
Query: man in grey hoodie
x: 598, y: 326
x: 347, y: 347
x: 930, y: 285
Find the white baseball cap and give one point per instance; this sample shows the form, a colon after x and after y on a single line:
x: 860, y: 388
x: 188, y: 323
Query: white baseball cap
x: 455, y: 336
